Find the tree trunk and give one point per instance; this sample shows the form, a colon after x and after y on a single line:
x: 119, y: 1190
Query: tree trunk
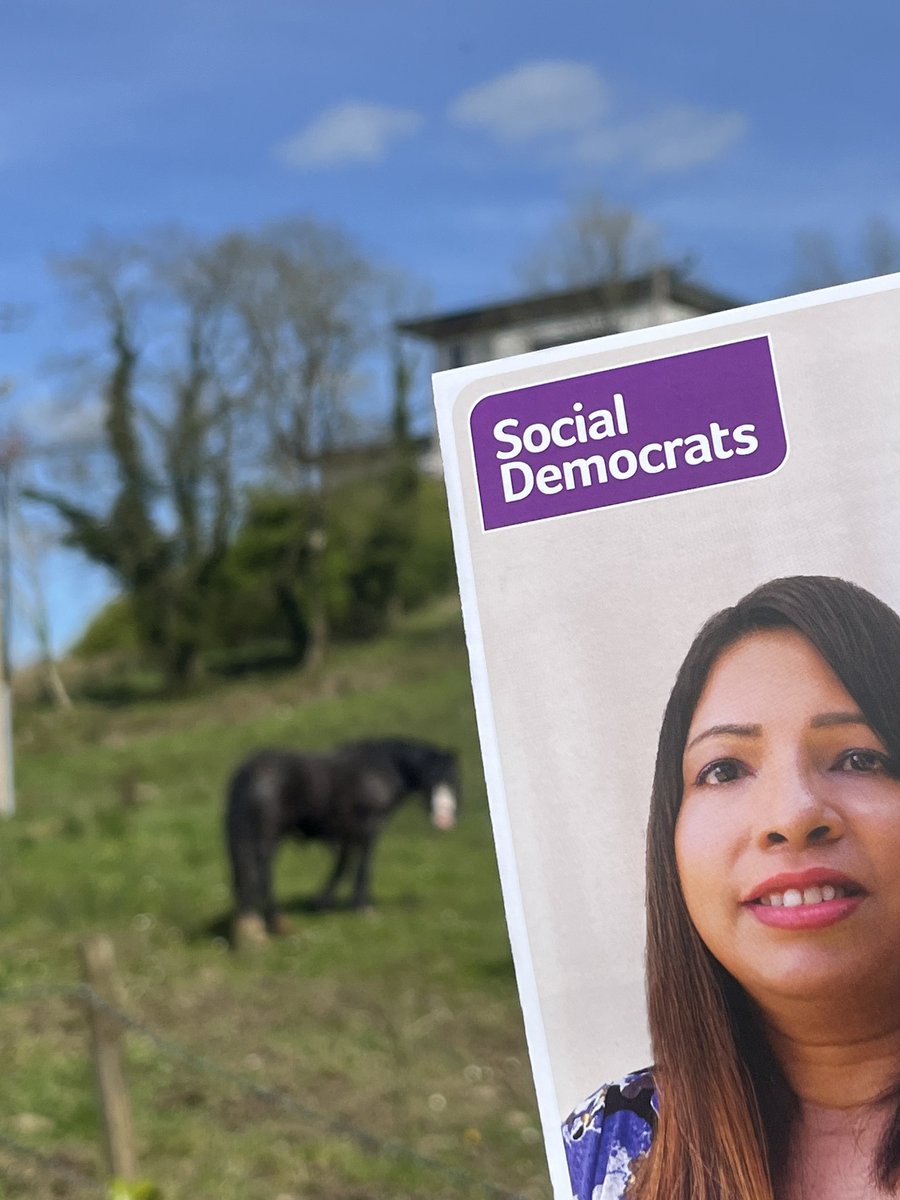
x: 318, y: 635
x: 182, y: 667
x: 319, y: 629
x: 298, y: 626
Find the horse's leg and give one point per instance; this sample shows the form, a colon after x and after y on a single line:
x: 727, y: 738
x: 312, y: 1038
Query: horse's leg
x: 242, y: 835
x: 325, y: 898
x: 265, y: 855
x: 362, y: 890
x: 245, y: 878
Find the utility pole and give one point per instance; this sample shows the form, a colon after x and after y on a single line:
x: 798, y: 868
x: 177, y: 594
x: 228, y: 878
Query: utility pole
x: 10, y: 451
x: 12, y: 318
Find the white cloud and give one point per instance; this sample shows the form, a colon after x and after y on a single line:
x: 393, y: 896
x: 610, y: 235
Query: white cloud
x: 671, y: 140
x: 535, y: 100
x: 682, y: 137
x: 352, y: 132
x: 563, y: 106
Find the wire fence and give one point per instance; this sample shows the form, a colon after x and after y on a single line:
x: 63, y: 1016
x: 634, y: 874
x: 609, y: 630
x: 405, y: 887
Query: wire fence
x: 371, y: 1143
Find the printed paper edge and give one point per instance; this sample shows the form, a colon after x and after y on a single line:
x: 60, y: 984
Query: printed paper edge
x: 535, y: 1032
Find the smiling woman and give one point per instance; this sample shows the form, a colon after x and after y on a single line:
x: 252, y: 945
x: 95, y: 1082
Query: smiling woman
x: 773, y: 904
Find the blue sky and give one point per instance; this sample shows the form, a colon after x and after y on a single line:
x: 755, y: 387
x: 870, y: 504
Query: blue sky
x: 444, y: 136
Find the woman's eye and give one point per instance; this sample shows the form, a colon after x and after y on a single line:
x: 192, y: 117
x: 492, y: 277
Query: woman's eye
x: 862, y: 762
x: 724, y: 770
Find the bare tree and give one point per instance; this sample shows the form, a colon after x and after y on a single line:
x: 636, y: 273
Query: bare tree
x: 880, y: 247
x: 594, y: 243
x: 221, y: 364
x: 399, y: 294
x: 162, y: 523
x: 820, y: 262
x: 303, y: 295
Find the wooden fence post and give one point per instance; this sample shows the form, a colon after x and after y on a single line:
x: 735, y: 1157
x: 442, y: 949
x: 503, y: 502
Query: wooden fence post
x: 98, y: 961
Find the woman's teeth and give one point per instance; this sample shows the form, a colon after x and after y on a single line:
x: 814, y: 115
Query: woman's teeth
x: 812, y: 895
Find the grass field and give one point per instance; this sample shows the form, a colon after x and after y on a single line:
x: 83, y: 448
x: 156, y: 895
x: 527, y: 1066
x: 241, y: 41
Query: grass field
x: 403, y: 1025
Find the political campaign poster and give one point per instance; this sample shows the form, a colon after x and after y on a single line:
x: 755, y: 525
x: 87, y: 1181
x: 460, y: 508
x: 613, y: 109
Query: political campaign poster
x: 607, y: 498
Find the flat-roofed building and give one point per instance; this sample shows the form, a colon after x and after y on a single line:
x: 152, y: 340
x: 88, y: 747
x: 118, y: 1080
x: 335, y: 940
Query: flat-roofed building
x: 555, y: 318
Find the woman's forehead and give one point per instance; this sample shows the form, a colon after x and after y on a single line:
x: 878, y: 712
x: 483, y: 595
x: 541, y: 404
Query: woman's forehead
x: 772, y: 674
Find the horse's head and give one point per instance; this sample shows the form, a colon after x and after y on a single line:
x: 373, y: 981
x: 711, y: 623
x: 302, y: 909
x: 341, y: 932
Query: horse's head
x: 441, y: 789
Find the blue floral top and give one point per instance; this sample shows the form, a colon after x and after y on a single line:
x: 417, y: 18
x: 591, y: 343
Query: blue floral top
x: 607, y: 1134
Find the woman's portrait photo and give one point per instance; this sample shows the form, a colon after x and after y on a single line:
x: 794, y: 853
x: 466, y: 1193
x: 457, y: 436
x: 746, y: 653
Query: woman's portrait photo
x: 773, y: 916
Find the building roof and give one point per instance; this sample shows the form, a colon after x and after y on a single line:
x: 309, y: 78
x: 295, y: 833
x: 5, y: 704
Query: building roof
x: 663, y: 283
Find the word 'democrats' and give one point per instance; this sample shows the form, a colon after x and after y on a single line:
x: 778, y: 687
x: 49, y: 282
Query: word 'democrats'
x: 612, y: 437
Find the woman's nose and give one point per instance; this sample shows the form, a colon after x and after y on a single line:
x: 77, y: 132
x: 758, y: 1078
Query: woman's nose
x: 798, y: 813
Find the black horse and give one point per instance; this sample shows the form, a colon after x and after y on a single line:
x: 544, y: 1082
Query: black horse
x: 343, y: 798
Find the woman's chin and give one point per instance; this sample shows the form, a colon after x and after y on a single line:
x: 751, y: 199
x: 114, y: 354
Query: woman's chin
x: 843, y: 973
x: 823, y: 982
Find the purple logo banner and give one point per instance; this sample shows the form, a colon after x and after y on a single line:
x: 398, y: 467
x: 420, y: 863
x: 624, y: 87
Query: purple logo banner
x: 612, y: 437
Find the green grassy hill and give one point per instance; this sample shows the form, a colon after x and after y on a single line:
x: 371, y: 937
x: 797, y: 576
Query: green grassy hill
x: 403, y: 1025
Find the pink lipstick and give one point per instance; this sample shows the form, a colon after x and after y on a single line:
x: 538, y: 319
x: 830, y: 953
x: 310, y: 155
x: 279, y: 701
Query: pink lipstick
x: 804, y: 900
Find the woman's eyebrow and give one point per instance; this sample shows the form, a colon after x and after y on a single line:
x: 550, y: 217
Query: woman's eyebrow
x: 737, y: 730
x: 824, y: 720
x: 821, y: 721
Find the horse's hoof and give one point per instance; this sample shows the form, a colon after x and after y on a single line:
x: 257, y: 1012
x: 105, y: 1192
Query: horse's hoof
x: 281, y: 925
x: 249, y: 930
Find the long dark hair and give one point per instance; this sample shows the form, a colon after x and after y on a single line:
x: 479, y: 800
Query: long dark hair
x: 726, y: 1109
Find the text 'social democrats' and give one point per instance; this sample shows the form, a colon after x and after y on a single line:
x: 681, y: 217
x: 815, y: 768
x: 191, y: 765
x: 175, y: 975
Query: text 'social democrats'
x: 521, y: 476
x: 647, y: 429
